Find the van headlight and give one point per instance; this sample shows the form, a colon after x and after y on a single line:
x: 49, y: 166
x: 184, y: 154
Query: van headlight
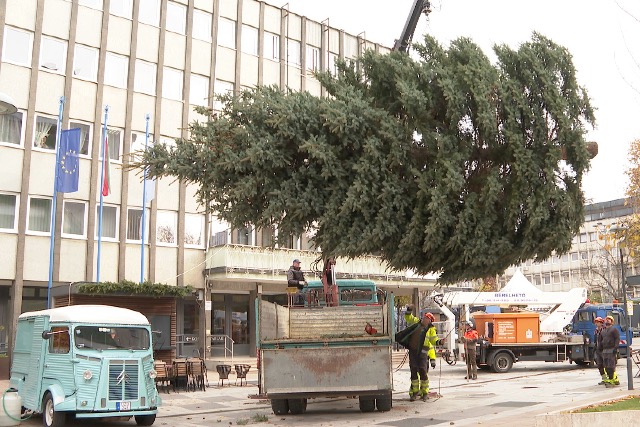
x: 153, y: 374
x: 87, y: 375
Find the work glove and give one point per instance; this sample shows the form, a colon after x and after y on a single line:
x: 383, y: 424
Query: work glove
x: 433, y: 363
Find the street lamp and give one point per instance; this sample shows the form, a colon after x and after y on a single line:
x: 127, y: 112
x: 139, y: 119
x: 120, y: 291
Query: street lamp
x: 621, y: 249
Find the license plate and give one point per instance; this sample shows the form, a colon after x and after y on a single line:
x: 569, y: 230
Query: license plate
x: 123, y: 406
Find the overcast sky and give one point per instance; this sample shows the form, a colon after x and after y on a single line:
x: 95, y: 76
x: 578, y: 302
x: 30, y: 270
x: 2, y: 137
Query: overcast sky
x: 600, y: 35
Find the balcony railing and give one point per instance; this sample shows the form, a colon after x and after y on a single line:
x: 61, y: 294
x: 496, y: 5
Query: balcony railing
x: 236, y: 261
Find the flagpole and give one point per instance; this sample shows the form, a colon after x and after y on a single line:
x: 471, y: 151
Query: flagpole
x: 144, y: 201
x: 52, y: 226
x: 104, y: 136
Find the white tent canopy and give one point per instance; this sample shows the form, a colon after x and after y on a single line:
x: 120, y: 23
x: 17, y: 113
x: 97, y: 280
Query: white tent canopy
x: 520, y: 284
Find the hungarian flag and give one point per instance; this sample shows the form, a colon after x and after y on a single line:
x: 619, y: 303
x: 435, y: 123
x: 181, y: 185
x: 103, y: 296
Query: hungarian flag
x: 106, y: 169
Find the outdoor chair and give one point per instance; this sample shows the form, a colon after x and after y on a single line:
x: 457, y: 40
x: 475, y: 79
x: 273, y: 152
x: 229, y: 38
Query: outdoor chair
x: 163, y: 377
x: 635, y: 356
x: 197, y: 374
x: 241, y: 373
x: 180, y: 374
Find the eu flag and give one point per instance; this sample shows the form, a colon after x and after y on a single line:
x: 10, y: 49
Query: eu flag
x: 68, y: 162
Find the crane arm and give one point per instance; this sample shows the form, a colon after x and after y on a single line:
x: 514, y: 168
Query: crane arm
x: 419, y: 7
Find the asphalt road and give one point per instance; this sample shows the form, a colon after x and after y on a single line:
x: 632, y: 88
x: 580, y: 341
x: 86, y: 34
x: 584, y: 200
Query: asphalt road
x: 514, y: 398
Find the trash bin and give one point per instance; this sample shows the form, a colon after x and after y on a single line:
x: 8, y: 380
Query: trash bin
x: 241, y: 373
x: 223, y: 372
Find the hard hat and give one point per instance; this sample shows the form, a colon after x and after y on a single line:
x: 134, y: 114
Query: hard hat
x: 599, y: 319
x: 610, y: 317
x: 430, y: 317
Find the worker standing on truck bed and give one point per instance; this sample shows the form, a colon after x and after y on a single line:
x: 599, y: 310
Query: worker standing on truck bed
x: 422, y: 352
x: 295, y: 277
x: 610, y: 341
x: 470, y: 339
x: 597, y: 354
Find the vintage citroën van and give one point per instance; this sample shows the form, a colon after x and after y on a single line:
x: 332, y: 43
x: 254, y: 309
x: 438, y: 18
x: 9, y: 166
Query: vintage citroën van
x: 91, y: 361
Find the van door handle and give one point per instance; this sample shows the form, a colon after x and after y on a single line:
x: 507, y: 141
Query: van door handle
x: 75, y: 361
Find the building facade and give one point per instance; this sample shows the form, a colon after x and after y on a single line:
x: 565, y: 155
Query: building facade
x: 593, y: 261
x: 150, y: 62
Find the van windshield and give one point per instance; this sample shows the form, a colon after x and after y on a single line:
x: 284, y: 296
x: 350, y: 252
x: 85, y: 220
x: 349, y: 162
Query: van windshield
x: 111, y: 338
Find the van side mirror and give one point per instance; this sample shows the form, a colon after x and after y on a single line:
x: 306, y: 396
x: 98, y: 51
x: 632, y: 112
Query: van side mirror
x: 46, y: 335
x: 623, y: 328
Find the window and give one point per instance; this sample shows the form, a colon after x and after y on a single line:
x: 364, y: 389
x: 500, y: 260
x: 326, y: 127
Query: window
x: 201, y: 25
x: 114, y: 136
x: 45, y: 134
x: 226, y: 33
x: 565, y: 277
x: 138, y: 141
x: 8, y: 206
x: 293, y: 52
x: 331, y: 65
x: 583, y: 237
x: 145, y: 78
x: 249, y: 40
x: 120, y: 8
x: 199, y: 90
x: 172, y: 84
x: 221, y: 88
x: 166, y: 226
x: 53, y: 54
x: 17, y: 46
x: 39, y: 215
x: 85, y: 63
x: 116, y: 70
x: 73, y: 218
x: 194, y: 230
x: 96, y: 4
x: 584, y: 255
x: 593, y: 236
x: 109, y: 221
x: 574, y: 256
x: 149, y: 12
x: 134, y: 225
x: 546, y: 278
x: 11, y: 128
x: 313, y: 58
x: 85, y: 136
x: 244, y: 236
x: 271, y: 46
x: 176, y: 17
x: 59, y: 343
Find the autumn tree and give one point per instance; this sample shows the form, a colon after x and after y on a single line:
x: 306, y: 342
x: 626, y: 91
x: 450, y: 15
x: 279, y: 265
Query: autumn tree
x: 632, y: 223
x: 447, y: 163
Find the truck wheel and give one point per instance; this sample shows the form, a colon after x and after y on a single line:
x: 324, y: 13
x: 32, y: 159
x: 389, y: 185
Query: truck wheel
x: 51, y: 418
x: 384, y: 404
x: 145, y: 420
x: 297, y: 406
x: 502, y: 363
x: 280, y: 406
x: 367, y: 404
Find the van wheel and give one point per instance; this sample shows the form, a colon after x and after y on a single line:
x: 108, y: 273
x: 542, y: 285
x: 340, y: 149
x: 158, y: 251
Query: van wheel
x: 145, y: 420
x: 280, y: 406
x: 502, y: 363
x: 51, y: 418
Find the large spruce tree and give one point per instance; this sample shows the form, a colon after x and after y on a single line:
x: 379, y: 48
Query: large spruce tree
x: 447, y: 164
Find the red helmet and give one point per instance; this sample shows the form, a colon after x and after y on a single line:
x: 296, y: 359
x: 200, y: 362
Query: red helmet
x: 598, y: 319
x: 430, y: 317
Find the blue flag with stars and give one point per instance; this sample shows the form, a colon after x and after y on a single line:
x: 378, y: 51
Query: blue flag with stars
x: 68, y: 161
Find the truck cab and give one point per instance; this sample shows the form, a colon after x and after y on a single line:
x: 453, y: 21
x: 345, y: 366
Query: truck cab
x: 350, y: 292
x: 583, y: 323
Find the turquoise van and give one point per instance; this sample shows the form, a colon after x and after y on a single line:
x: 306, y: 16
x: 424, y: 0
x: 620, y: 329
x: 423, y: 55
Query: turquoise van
x: 89, y: 361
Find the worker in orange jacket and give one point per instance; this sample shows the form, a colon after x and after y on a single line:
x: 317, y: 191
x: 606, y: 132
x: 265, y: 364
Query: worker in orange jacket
x: 470, y: 340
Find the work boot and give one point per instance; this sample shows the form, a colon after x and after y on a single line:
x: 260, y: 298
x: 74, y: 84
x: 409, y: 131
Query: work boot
x: 413, y: 397
x: 475, y: 377
x: 609, y: 385
x: 605, y: 378
x: 425, y: 397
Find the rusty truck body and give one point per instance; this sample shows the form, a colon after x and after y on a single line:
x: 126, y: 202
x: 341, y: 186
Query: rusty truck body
x: 320, y: 351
